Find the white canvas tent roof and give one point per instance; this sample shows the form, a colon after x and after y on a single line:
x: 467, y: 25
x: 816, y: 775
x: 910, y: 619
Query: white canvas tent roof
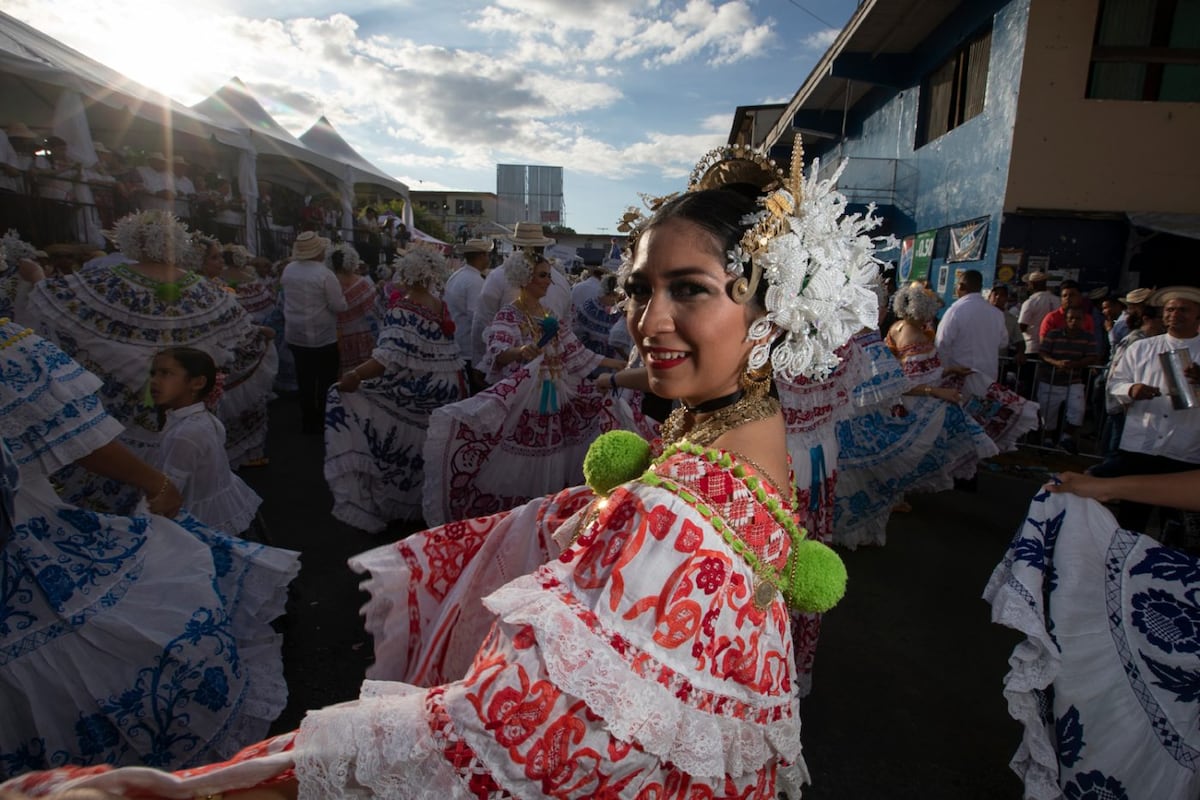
x: 323, y: 138
x: 282, y: 158
x: 35, y: 69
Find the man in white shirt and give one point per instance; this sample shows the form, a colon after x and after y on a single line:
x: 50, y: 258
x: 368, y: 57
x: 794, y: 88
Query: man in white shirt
x: 312, y: 298
x: 497, y: 290
x: 462, y: 294
x: 971, y: 333
x: 1035, y: 308
x: 158, y: 185
x: 1158, y: 438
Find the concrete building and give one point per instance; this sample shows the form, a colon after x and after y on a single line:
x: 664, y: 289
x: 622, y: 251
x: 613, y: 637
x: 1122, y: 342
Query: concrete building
x: 463, y: 215
x: 1011, y: 135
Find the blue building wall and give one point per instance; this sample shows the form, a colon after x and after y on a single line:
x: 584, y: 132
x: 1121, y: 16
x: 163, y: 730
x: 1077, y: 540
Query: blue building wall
x: 963, y: 174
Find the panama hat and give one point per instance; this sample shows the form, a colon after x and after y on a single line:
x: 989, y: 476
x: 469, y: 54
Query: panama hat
x: 309, y: 246
x: 1037, y: 277
x: 477, y: 246
x: 1137, y: 296
x: 1162, y: 296
x: 529, y: 234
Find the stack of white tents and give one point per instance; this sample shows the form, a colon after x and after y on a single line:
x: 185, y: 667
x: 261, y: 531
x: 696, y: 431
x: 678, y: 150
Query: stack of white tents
x: 50, y: 86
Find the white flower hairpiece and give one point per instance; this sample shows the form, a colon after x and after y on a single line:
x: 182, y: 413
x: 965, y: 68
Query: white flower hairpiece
x: 350, y: 257
x: 156, y: 237
x: 13, y: 249
x: 518, y: 267
x: 238, y: 255
x: 819, y: 264
x: 197, y: 250
x: 423, y: 266
x: 914, y: 301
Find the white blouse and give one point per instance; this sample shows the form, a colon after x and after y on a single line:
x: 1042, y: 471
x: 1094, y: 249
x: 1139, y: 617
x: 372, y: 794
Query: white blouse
x: 191, y: 453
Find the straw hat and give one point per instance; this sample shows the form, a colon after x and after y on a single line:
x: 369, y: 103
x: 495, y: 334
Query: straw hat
x: 1098, y: 294
x: 309, y: 246
x: 477, y: 246
x: 156, y: 157
x: 529, y: 234
x: 100, y: 148
x: 1160, y: 298
x: 1037, y: 277
x: 180, y: 161
x: 1137, y: 296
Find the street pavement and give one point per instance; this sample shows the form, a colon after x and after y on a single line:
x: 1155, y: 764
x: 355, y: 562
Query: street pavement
x: 906, y: 699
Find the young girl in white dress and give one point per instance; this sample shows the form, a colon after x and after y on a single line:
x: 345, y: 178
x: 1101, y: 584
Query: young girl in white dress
x: 191, y: 452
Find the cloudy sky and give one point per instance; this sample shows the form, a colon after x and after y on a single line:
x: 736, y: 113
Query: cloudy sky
x: 625, y: 95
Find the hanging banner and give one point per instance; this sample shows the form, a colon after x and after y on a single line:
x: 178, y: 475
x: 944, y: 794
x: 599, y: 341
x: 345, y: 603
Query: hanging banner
x: 922, y: 255
x: 967, y: 240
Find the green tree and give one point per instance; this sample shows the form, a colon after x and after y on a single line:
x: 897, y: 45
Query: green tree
x: 427, y: 223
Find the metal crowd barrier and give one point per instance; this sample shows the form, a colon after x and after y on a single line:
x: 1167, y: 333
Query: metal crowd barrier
x: 1025, y: 379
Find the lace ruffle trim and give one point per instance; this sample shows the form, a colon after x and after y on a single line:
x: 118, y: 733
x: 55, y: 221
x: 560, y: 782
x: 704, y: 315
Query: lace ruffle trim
x: 637, y: 708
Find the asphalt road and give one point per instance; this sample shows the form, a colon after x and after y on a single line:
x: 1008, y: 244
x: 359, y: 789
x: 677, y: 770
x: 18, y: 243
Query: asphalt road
x: 906, y: 701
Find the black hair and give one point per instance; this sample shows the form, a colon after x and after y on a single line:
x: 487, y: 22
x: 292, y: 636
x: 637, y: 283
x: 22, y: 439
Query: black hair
x: 718, y: 212
x: 972, y: 280
x: 229, y: 262
x: 338, y: 260
x: 1068, y: 284
x: 608, y: 284
x: 1151, y: 312
x: 196, y: 363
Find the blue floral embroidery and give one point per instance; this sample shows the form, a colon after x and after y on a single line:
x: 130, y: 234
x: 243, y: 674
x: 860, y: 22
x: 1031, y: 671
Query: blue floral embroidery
x: 96, y: 733
x: 1094, y: 785
x: 1069, y: 732
x: 213, y: 691
x: 1170, y: 624
x: 1168, y: 565
x: 57, y: 584
x: 1179, y: 681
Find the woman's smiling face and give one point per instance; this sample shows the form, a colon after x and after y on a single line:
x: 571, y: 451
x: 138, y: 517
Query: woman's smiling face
x: 691, y: 335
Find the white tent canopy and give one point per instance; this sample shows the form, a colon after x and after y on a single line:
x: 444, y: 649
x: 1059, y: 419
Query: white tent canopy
x: 323, y: 138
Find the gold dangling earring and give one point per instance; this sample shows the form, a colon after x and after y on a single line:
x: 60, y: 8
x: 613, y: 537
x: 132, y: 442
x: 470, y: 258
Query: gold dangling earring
x: 756, y: 383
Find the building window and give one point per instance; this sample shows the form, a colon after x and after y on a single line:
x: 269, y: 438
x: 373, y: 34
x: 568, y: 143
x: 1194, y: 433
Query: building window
x: 1146, y: 50
x: 468, y: 208
x: 955, y: 91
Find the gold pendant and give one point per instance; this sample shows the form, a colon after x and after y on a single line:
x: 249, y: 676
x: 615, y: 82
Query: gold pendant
x: 764, y: 594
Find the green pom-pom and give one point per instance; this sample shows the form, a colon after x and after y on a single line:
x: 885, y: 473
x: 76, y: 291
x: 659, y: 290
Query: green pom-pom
x: 816, y: 577
x: 614, y: 458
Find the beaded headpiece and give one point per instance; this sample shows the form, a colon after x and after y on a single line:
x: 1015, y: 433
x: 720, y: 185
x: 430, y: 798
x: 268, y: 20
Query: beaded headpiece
x: 237, y: 254
x: 819, y: 262
x: 423, y: 266
x: 155, y: 237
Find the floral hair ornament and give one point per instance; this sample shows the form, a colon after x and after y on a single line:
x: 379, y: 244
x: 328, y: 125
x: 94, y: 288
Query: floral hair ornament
x: 915, y: 301
x: 14, y: 249
x: 350, y: 257
x: 818, y: 261
x: 155, y: 237
x: 518, y: 266
x: 424, y: 266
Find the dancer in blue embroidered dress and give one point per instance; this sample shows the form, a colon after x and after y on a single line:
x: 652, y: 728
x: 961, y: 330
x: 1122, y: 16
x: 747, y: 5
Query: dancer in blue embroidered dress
x: 908, y: 436
x: 115, y: 318
x: 377, y: 415
x: 1105, y: 683
x: 123, y: 640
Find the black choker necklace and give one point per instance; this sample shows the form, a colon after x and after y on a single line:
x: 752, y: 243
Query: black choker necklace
x: 716, y: 404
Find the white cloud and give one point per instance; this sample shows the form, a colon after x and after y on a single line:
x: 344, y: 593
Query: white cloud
x: 821, y: 40
x: 413, y: 106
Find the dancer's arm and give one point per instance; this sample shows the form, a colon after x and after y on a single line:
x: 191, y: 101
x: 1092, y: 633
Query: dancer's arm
x: 1176, y: 490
